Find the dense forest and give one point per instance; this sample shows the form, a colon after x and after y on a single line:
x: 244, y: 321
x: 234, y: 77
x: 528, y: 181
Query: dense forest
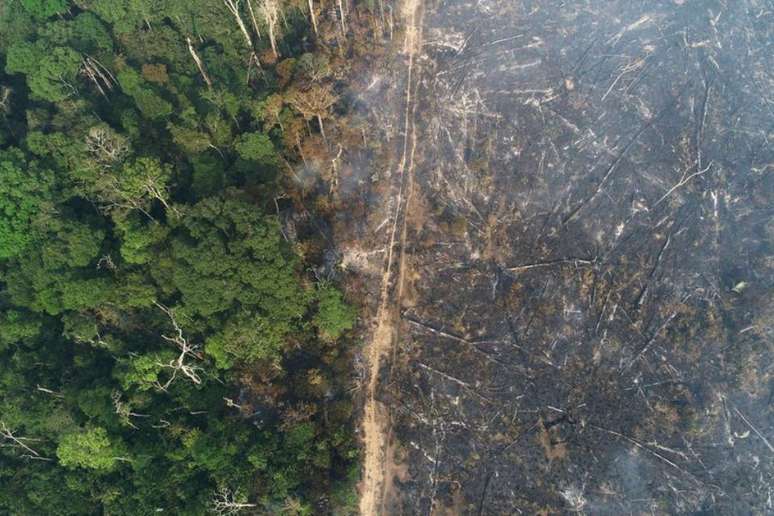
x: 171, y: 340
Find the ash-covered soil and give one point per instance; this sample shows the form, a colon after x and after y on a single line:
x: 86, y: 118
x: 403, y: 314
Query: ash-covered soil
x: 587, y: 318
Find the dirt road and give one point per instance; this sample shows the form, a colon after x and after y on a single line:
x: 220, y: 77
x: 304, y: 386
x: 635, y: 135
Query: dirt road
x: 378, y: 464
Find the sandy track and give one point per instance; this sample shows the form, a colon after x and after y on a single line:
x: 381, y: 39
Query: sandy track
x: 377, y: 463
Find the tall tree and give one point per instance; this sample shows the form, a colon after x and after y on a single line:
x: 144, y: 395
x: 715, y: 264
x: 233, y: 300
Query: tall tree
x: 25, y: 195
x: 314, y: 102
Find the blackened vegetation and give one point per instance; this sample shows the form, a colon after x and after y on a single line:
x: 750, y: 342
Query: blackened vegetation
x: 588, y: 326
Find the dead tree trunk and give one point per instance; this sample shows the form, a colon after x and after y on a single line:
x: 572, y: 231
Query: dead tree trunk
x: 5, y: 94
x: 19, y: 442
x: 271, y: 14
x: 233, y: 7
x: 301, y: 151
x: 198, y: 62
x: 342, y: 19
x: 314, y: 103
x: 335, y: 179
x: 253, y: 18
x: 97, y: 74
x: 322, y: 129
x: 313, y: 17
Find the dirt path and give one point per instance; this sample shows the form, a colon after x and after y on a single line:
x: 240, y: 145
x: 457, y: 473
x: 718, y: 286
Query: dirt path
x: 378, y: 463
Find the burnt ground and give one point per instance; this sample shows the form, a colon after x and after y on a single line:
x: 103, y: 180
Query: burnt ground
x: 587, y: 319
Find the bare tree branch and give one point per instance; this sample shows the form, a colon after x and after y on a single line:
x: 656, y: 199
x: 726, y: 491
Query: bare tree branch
x: 226, y: 502
x: 18, y: 442
x: 198, y: 62
x: 187, y: 350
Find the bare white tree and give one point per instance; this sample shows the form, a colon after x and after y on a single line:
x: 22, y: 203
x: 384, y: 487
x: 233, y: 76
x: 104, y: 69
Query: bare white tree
x: 5, y: 95
x: 251, y: 10
x: 226, y: 502
x: 9, y: 439
x: 231, y: 403
x: 124, y: 411
x: 49, y: 391
x: 198, y: 62
x: 685, y: 177
x: 271, y: 10
x: 233, y: 8
x: 314, y: 102
x: 182, y: 364
x: 98, y: 74
x: 106, y: 146
x: 342, y: 18
x: 335, y: 179
x: 313, y: 16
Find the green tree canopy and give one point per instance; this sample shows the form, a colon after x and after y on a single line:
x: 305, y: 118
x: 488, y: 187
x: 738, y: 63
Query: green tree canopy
x: 160, y: 337
x: 90, y: 448
x: 225, y: 254
x: 256, y: 147
x: 25, y: 194
x: 51, y: 72
x: 334, y: 316
x: 45, y: 8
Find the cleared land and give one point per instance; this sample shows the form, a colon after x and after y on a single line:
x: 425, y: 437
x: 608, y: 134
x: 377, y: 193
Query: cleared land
x: 575, y: 308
